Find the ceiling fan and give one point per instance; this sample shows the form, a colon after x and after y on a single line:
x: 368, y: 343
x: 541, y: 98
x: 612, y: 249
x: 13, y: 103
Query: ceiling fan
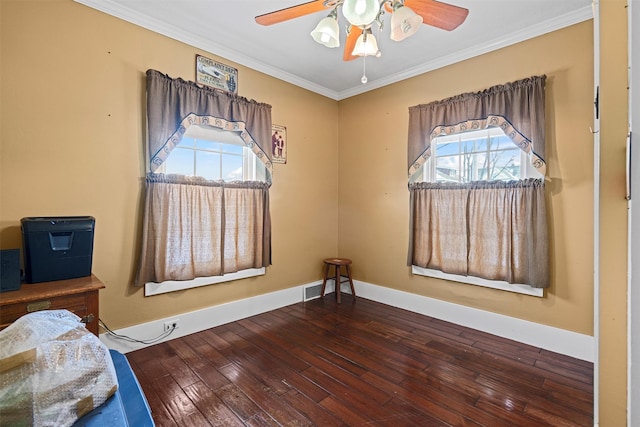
x: 406, y: 17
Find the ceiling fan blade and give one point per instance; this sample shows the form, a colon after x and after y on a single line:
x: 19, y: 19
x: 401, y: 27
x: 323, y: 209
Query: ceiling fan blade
x: 437, y: 14
x: 291, y: 12
x: 350, y: 43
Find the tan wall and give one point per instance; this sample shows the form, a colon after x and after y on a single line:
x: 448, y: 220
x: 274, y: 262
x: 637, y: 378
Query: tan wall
x: 373, y: 180
x: 72, y: 128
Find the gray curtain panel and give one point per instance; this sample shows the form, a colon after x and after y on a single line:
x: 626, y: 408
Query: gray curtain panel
x: 198, y: 228
x: 493, y: 230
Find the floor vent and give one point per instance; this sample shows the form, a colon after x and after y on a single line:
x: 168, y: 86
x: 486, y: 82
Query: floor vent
x: 312, y: 292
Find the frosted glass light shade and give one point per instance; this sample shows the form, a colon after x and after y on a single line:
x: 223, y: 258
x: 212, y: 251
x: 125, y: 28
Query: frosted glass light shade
x: 404, y: 23
x: 360, y: 12
x: 366, y: 48
x: 327, y: 32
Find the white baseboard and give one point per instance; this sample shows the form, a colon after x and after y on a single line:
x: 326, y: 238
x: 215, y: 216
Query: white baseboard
x: 554, y: 339
x: 199, y: 320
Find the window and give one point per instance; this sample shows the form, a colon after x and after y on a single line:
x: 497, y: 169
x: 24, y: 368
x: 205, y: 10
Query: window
x: 206, y: 214
x: 481, y: 155
x: 465, y: 157
x: 473, y: 156
x: 213, y: 155
x: 477, y: 204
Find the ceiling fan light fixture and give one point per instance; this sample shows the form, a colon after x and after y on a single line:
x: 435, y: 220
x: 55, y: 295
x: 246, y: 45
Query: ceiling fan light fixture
x: 366, y: 45
x: 327, y: 32
x: 404, y: 23
x: 360, y: 12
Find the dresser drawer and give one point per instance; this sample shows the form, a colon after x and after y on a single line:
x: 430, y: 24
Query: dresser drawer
x: 79, y: 296
x: 73, y: 303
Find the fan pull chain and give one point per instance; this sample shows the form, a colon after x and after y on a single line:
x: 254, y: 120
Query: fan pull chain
x: 364, y: 78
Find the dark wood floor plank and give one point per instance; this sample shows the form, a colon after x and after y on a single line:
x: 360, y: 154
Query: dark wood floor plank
x: 344, y: 377
x: 238, y: 402
x: 301, y: 384
x: 572, y: 393
x: 347, y: 414
x: 401, y: 413
x: 359, y: 363
x: 569, y: 361
x: 511, y: 388
x: 513, y: 417
x: 176, y: 401
x: 423, y: 402
x: 510, y: 351
x: 578, y: 374
x: 263, y: 396
x: 338, y: 360
x: 434, y: 334
x: 358, y: 355
x: 211, y: 406
x: 557, y: 421
x: 318, y: 415
x: 454, y: 400
x: 180, y: 370
x: 159, y: 411
x: 209, y: 375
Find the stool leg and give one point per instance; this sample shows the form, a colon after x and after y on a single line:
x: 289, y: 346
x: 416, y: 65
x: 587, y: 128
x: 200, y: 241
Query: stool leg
x: 353, y: 290
x: 338, y: 283
x: 324, y: 279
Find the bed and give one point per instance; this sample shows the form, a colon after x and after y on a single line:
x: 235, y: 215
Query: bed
x: 53, y: 371
x: 127, y: 407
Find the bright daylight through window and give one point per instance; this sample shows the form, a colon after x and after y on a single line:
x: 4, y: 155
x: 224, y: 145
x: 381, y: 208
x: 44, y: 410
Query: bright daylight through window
x: 481, y: 155
x: 214, y: 155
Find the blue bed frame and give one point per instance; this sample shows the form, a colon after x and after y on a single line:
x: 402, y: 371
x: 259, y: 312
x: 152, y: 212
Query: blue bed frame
x: 127, y: 407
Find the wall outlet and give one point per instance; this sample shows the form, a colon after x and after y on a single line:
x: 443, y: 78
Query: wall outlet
x: 171, y: 325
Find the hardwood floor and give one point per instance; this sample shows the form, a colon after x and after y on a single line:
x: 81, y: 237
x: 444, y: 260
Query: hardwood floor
x: 360, y: 363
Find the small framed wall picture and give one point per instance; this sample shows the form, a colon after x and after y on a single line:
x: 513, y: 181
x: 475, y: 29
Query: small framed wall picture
x: 278, y: 144
x: 216, y: 74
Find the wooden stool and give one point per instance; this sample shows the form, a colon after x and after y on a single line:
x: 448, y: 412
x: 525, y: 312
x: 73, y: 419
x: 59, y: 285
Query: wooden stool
x: 337, y: 263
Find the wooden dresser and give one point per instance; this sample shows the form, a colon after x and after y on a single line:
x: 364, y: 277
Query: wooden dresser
x: 79, y: 296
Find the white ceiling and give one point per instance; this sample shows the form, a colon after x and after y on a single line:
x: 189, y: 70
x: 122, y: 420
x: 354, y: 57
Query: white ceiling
x: 287, y: 51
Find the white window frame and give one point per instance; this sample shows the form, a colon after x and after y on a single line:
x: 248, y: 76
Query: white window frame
x: 251, y: 172
x: 429, y: 175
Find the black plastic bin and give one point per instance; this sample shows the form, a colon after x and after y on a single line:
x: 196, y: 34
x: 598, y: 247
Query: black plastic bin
x: 9, y: 270
x: 57, y: 248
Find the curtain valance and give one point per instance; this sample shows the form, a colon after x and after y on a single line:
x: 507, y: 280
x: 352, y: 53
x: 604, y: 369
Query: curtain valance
x: 175, y: 104
x: 516, y: 107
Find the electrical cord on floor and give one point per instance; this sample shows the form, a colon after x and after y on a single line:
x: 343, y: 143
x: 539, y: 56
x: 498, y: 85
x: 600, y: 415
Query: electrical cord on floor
x: 160, y: 337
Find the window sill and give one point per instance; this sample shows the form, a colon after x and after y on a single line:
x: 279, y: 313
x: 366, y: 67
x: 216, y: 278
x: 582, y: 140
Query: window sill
x: 493, y: 284
x: 153, y: 288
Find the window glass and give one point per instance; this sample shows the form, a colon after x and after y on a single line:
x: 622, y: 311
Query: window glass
x: 180, y: 162
x: 232, y: 167
x: 482, y: 155
x: 214, y: 155
x: 207, y: 165
x: 203, y: 144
